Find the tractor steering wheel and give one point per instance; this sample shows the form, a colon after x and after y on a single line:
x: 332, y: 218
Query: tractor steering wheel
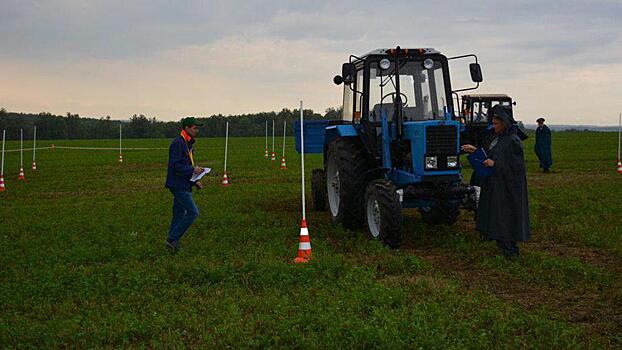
x: 404, y: 101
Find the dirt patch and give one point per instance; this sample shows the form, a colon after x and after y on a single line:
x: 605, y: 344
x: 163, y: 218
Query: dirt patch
x: 599, y: 313
x: 595, y: 256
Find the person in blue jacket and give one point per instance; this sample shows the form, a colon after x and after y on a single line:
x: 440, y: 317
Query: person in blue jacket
x: 543, y: 145
x: 181, y: 166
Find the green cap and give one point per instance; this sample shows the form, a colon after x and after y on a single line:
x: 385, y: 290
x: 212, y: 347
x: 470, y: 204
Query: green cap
x: 190, y: 121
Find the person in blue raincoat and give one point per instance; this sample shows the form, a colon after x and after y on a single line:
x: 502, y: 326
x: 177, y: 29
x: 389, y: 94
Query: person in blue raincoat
x: 543, y: 145
x: 503, y: 211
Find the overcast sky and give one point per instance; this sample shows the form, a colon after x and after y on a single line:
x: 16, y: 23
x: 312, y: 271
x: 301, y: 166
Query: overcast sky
x: 168, y: 59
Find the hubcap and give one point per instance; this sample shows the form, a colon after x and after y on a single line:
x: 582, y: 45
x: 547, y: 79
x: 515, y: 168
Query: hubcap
x: 332, y: 184
x: 373, y: 217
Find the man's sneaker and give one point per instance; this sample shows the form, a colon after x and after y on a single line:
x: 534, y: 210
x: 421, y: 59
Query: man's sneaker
x: 173, y: 247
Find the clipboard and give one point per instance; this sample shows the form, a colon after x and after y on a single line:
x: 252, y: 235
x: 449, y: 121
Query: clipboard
x: 197, y: 177
x: 477, y: 159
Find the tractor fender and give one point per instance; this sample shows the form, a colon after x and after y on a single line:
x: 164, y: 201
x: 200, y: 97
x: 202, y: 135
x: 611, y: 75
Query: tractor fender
x: 334, y: 131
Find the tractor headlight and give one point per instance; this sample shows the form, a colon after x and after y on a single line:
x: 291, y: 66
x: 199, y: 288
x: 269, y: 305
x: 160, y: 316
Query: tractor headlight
x: 385, y: 64
x: 452, y: 162
x: 431, y: 162
x: 428, y: 63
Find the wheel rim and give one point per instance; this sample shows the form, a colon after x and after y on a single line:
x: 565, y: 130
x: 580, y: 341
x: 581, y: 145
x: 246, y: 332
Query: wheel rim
x: 373, y: 217
x: 332, y: 186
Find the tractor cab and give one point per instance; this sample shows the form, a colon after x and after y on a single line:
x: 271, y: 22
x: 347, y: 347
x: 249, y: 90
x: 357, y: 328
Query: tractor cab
x: 476, y: 115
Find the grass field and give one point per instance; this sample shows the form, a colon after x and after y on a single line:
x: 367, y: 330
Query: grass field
x: 83, y: 262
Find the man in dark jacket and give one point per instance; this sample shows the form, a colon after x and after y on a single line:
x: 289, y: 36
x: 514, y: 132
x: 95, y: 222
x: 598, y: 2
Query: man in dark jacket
x: 543, y: 145
x: 503, y: 212
x: 181, y: 166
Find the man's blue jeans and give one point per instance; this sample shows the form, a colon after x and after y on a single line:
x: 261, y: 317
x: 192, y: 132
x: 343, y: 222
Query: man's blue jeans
x: 184, y: 214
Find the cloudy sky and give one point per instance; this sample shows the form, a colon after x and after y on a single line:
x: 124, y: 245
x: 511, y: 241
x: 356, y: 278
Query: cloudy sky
x: 174, y: 58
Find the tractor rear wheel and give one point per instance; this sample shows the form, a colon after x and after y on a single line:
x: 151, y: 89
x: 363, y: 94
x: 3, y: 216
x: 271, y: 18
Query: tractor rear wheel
x: 346, y: 168
x: 318, y: 189
x: 442, y: 214
x: 383, y: 212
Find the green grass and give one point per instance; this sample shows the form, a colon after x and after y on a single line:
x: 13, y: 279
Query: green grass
x: 84, y: 265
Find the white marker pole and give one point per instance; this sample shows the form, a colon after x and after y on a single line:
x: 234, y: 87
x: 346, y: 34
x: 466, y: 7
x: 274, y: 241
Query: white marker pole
x: 34, y: 149
x: 619, y: 134
x: 226, y: 145
x: 304, y: 246
x: 21, y: 155
x: 266, y: 153
x: 2, y: 166
x: 302, y: 162
x: 2, y: 186
x: 225, y: 178
x: 120, y: 143
x: 21, y: 148
x: 273, y: 154
x: 284, y: 123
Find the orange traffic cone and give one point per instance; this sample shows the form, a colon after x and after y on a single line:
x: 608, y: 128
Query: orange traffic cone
x: 2, y: 188
x: 283, y: 165
x: 21, y: 174
x: 273, y: 157
x: 34, y: 166
x: 225, y: 180
x: 619, y: 167
x: 304, y: 247
x: 266, y: 154
x: 120, y: 158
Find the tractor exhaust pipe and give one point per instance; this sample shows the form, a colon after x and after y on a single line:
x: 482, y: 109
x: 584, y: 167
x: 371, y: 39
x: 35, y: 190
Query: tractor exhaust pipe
x: 397, y: 103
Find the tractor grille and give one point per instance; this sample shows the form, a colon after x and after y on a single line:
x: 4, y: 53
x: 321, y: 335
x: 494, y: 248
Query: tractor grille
x: 441, y: 139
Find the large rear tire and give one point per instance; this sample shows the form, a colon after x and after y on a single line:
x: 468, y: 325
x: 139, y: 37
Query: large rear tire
x: 443, y: 214
x: 318, y: 190
x: 383, y: 212
x: 346, y: 168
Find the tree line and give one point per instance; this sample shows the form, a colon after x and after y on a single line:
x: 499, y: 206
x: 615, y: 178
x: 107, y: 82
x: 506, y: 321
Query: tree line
x: 72, y: 126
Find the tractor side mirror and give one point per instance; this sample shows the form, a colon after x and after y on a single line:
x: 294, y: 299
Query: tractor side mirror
x: 337, y: 80
x: 348, y: 72
x: 476, y: 72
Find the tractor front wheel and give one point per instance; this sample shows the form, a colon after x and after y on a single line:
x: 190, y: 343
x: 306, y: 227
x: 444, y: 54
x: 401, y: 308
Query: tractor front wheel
x: 384, y: 213
x: 346, y: 166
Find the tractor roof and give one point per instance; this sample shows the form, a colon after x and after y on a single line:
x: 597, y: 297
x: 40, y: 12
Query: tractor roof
x: 487, y: 96
x: 387, y: 52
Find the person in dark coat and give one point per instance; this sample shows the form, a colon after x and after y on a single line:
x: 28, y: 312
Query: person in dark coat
x: 181, y: 166
x: 543, y: 145
x: 503, y: 212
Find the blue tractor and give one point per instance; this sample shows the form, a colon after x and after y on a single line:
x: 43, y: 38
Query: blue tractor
x: 396, y: 146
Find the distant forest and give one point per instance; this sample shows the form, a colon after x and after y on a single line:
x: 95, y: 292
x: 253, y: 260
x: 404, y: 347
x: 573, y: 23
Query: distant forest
x: 72, y: 126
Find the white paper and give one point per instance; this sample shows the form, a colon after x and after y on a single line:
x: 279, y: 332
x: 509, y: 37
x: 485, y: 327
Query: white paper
x: 198, y: 177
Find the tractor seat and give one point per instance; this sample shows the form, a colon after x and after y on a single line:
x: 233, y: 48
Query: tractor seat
x: 378, y: 109
x: 413, y: 114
